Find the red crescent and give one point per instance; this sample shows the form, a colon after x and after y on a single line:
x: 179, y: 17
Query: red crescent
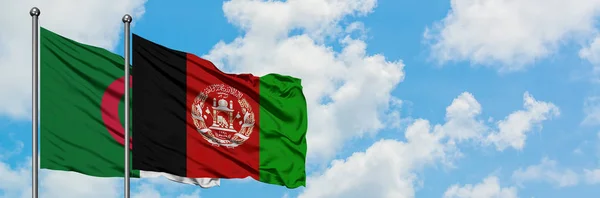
x: 110, y: 110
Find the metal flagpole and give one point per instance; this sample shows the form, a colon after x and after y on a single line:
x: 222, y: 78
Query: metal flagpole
x: 127, y: 23
x: 35, y: 13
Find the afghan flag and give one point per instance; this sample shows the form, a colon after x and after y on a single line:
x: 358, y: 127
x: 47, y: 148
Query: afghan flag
x: 81, y: 111
x: 192, y: 120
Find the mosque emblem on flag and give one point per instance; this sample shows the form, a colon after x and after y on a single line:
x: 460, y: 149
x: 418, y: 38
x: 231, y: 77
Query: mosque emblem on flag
x: 223, y: 116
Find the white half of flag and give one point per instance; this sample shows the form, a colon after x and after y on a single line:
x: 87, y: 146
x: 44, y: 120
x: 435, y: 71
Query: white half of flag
x: 202, y: 182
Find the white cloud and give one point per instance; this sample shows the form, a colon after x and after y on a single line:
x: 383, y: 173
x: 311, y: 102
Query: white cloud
x: 488, y: 188
x: 461, y: 123
x: 550, y: 172
x: 348, y: 91
x: 275, y: 18
x: 547, y: 171
x: 389, y: 167
x: 513, y: 129
x: 92, y: 22
x: 592, y: 176
x: 15, y: 180
x: 386, y: 169
x: 510, y: 34
x: 592, y: 54
x: 591, y: 109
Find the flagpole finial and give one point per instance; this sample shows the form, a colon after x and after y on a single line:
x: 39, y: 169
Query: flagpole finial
x: 34, y: 11
x: 127, y: 18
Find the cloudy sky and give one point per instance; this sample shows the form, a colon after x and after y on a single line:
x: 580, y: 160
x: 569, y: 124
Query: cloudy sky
x: 411, y: 98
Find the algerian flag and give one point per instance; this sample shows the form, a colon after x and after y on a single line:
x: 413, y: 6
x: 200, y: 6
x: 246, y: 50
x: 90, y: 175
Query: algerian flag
x: 81, y: 111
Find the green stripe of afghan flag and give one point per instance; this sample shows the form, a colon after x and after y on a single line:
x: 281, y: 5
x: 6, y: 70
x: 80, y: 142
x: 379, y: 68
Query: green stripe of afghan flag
x: 282, y: 111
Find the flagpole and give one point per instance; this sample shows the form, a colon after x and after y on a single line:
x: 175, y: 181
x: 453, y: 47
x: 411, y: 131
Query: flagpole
x: 127, y: 23
x: 35, y: 13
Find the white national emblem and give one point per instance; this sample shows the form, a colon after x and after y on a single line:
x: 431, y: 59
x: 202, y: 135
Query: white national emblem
x: 227, y: 119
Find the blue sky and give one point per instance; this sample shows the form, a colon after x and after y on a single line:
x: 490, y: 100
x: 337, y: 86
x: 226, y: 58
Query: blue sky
x: 432, y: 98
